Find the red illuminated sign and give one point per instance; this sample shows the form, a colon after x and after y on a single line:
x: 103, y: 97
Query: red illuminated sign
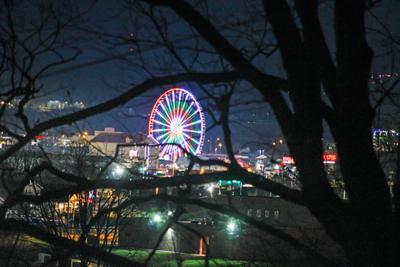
x: 287, y: 160
x: 329, y: 158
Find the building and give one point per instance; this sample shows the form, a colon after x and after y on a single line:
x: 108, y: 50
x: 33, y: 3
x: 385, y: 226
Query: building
x: 230, y: 238
x: 105, y: 143
x: 385, y: 140
x: 6, y: 141
x: 131, y: 148
x: 261, y: 162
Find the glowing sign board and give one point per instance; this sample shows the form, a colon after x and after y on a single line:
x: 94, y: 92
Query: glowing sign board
x: 287, y: 160
x: 329, y: 158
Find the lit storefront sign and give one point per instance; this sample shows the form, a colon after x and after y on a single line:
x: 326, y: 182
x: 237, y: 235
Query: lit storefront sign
x: 329, y: 158
x: 287, y: 160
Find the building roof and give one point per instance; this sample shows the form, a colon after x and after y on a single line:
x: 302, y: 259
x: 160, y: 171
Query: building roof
x: 121, y: 138
x: 118, y: 138
x: 141, y: 138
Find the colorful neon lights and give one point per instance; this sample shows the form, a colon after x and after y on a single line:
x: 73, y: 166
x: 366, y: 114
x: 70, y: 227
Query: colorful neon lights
x: 177, y: 118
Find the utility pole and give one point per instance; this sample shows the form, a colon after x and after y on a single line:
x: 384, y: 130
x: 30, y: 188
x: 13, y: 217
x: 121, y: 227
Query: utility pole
x: 397, y: 180
x: 396, y: 184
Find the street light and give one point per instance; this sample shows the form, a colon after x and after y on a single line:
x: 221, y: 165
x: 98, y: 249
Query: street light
x: 118, y: 171
x: 232, y: 228
x: 157, y: 220
x: 210, y: 189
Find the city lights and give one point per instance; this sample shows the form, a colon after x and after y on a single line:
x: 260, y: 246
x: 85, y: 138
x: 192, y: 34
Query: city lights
x: 199, y: 133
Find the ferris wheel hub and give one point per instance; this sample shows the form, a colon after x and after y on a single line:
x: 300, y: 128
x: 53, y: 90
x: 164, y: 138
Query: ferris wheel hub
x: 176, y: 128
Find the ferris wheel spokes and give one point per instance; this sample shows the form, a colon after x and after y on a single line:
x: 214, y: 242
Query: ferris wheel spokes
x: 192, y: 123
x: 177, y: 123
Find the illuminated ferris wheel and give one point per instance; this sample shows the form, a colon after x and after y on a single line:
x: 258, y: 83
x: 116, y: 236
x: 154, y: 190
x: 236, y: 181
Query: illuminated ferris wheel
x: 177, y: 118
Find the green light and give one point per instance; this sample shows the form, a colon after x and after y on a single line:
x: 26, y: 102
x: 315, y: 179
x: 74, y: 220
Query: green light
x: 157, y: 218
x: 231, y: 227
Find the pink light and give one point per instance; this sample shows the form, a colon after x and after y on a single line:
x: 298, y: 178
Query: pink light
x: 175, y: 110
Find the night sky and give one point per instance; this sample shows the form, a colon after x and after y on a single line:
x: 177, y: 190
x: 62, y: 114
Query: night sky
x: 106, y: 68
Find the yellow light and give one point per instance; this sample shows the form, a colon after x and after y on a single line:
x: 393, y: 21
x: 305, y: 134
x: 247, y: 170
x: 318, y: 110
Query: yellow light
x: 201, y: 247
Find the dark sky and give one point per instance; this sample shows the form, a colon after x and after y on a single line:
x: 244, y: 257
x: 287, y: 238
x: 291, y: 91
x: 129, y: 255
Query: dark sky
x: 95, y: 76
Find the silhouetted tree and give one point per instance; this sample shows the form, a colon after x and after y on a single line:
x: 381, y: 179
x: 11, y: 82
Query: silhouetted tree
x: 322, y: 82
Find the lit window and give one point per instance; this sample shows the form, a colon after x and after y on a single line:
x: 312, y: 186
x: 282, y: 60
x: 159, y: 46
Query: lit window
x: 259, y: 213
x: 266, y: 214
x: 133, y: 153
x: 249, y: 212
x: 276, y: 213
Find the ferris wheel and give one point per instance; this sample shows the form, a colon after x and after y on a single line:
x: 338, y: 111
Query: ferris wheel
x: 177, y: 118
